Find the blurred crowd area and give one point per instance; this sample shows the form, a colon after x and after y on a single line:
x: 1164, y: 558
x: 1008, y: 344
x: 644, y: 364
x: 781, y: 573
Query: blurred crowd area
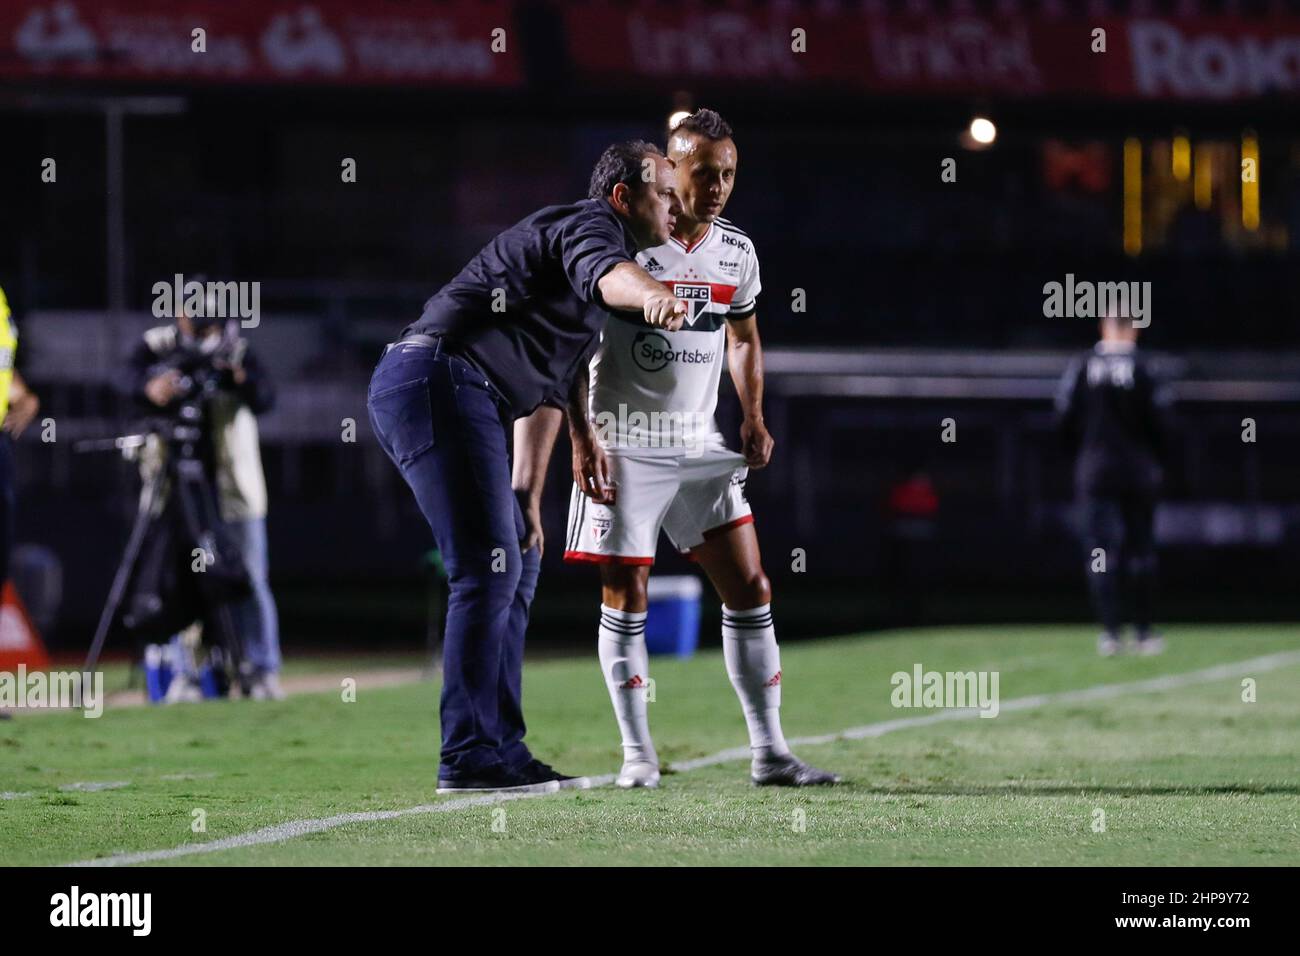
x: 228, y: 161
x: 850, y: 208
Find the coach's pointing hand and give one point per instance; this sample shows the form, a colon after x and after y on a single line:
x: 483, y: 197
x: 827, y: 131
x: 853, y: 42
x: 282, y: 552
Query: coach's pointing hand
x: 665, y: 311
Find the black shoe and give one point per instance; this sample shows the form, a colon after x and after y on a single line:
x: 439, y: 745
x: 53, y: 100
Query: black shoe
x: 789, y: 771
x: 498, y: 780
x: 536, y: 770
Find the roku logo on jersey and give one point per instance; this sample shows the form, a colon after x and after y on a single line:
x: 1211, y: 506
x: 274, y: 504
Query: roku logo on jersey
x: 730, y: 240
x: 652, y: 351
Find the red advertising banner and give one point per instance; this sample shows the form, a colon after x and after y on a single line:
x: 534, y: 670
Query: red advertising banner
x: 465, y: 43
x: 803, y: 45
x: 1211, y: 58
x: 844, y: 48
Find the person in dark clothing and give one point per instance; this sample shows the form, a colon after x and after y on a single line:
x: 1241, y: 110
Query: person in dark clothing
x: 498, y: 349
x: 1112, y: 411
x: 155, y: 376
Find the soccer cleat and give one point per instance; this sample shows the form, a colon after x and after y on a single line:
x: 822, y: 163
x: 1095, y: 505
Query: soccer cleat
x: 1149, y: 646
x: 266, y: 686
x: 540, y: 772
x: 183, y: 690
x: 789, y: 771
x: 638, y: 773
x: 1108, y: 645
x: 497, y: 779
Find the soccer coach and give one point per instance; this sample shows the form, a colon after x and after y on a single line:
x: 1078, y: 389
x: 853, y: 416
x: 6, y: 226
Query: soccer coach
x: 498, y: 347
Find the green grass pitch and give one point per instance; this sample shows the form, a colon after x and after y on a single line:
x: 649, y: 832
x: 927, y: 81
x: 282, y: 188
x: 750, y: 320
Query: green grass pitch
x: 1186, y: 775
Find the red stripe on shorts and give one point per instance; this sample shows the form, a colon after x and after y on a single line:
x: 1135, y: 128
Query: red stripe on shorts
x: 588, y: 558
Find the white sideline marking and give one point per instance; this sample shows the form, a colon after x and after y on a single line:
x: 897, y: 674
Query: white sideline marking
x: 1097, y: 692
x: 296, y: 828
x: 92, y: 786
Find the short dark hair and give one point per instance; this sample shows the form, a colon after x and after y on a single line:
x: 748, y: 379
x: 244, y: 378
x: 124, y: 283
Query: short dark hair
x: 705, y: 122
x: 620, y: 163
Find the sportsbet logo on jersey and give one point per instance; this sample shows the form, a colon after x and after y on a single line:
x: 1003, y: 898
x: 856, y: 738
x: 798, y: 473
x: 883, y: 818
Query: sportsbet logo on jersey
x: 652, y: 351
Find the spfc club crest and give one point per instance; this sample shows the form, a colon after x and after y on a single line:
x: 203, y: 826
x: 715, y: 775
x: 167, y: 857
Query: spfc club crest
x: 600, y: 525
x: 694, y: 294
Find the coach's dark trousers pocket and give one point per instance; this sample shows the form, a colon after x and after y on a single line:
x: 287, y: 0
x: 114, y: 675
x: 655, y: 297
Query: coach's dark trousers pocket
x: 403, y: 419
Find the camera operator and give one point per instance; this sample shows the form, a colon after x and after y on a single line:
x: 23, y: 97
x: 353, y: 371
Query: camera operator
x: 203, y: 354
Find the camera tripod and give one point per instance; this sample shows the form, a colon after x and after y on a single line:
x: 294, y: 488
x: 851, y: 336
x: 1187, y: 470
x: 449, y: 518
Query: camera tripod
x: 183, y: 475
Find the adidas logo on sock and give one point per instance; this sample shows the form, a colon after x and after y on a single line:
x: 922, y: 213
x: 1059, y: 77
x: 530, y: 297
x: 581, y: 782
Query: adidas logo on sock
x: 774, y: 681
x: 636, y: 681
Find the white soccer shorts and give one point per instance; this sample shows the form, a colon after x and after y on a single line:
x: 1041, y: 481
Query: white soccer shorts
x: 690, y: 498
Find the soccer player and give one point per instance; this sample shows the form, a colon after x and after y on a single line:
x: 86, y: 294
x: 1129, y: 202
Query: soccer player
x: 655, y: 459
x: 496, y: 348
x: 1111, y: 411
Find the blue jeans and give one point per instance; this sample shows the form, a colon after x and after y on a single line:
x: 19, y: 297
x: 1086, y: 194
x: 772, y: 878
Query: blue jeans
x: 447, y: 431
x: 255, y: 616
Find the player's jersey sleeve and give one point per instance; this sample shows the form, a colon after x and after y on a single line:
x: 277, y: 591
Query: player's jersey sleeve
x: 745, y: 300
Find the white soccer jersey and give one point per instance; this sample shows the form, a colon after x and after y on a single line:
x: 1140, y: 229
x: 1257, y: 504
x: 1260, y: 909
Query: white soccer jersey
x: 655, y: 390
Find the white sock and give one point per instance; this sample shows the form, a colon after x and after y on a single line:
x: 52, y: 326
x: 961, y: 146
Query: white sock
x: 626, y: 666
x: 754, y: 666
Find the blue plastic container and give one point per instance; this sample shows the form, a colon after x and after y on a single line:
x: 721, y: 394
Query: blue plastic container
x: 672, y: 624
x: 208, y: 682
x: 157, y: 672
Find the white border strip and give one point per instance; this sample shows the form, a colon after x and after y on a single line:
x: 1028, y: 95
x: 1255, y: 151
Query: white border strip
x: 297, y: 828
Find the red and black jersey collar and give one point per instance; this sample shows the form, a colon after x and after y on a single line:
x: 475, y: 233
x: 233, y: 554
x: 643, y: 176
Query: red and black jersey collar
x: 697, y: 243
